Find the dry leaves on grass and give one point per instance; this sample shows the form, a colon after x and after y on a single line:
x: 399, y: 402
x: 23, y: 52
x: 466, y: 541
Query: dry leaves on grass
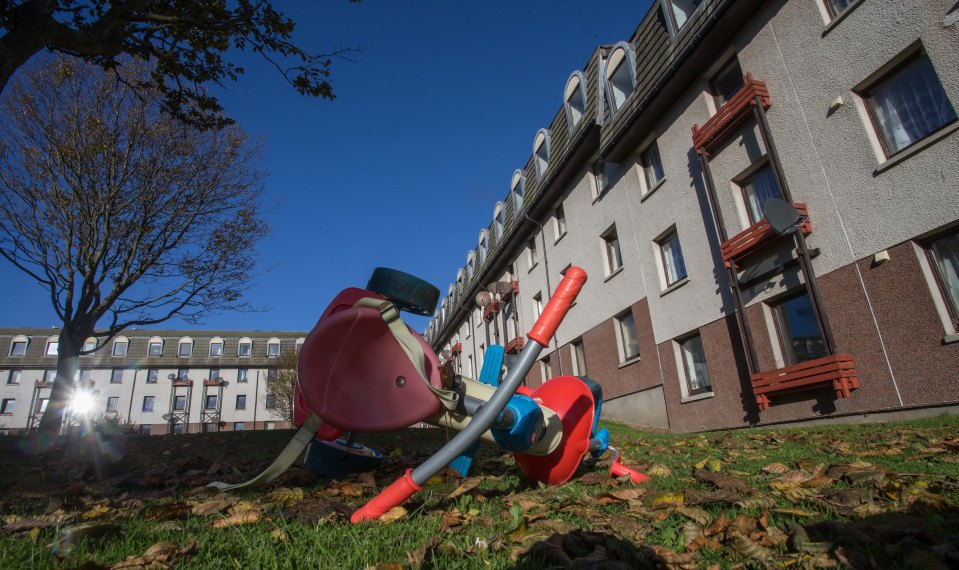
x: 158, y: 557
x: 237, y: 519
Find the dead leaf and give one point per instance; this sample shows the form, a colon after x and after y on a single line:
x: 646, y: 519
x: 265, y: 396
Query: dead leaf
x: 673, y: 561
x: 659, y: 470
x: 238, y: 519
x: 96, y: 512
x: 285, y: 496
x: 451, y: 518
x: 722, y: 481
x: 279, y: 535
x: 775, y: 469
x: 666, y: 500
x: 749, y: 548
x: 696, y: 497
x: 466, y: 486
x: 695, y: 513
x: 692, y: 531
x: 393, y: 515
x: 167, y: 511
x: 620, y: 495
x: 213, y: 506
x: 27, y: 525
x: 160, y: 555
x: 796, y: 512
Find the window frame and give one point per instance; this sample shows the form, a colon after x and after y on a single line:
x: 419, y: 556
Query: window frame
x: 674, y: 27
x: 688, y: 374
x: 177, y: 406
x: 242, y: 375
x: 115, y: 400
x: 8, y: 406
x: 750, y: 175
x: 238, y: 402
x: 951, y: 305
x: 153, y: 375
x: 114, y: 374
x: 542, y: 152
x: 499, y: 227
x: 578, y: 357
x: 644, y: 162
x: 884, y: 75
x: 273, y: 348
x: 121, y: 347
x: 155, y: 341
x: 244, y: 342
x: 152, y: 404
x: 482, y: 245
x: 185, y: 341
x: 211, y: 398
x: 574, y: 91
x: 517, y: 191
x: 216, y: 342
x: 239, y: 426
x: 559, y: 222
x: 779, y: 320
x: 15, y: 342
x: 532, y: 253
x: 610, y: 241
x: 621, y: 344
x: 618, y: 73
x: 14, y: 373
x: 661, y: 244
x: 52, y: 348
x: 719, y: 99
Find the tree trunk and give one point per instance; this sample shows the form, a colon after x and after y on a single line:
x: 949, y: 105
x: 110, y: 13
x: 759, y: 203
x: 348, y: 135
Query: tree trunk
x: 68, y: 353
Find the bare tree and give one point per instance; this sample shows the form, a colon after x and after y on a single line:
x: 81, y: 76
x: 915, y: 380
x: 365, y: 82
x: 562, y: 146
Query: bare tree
x: 186, y: 41
x: 281, y: 386
x: 124, y: 215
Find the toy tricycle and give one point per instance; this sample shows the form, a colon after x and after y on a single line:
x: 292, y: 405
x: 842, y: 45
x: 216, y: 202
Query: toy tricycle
x: 362, y: 369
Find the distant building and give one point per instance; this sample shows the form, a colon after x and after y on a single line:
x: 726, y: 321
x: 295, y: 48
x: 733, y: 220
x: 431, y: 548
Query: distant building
x: 161, y: 381
x: 654, y: 176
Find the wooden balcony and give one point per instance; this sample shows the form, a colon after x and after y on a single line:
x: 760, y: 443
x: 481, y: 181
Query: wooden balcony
x: 183, y: 382
x: 732, y: 114
x: 212, y: 381
x: 515, y: 345
x: 837, y: 371
x: 490, y: 311
x: 43, y: 384
x: 749, y: 240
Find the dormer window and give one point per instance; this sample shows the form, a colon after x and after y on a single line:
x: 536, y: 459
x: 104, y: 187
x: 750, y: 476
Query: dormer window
x: 470, y: 265
x: 483, y: 246
x: 53, y: 346
x: 273, y: 347
x: 155, y: 347
x: 185, y: 347
x: 19, y: 346
x: 620, y: 75
x: 120, y: 345
x: 518, y: 190
x: 498, y: 221
x: 541, y: 150
x: 680, y: 11
x: 575, y: 97
x: 216, y: 347
x: 245, y: 347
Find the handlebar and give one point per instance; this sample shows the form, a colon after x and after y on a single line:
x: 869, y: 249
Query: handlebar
x: 558, y: 306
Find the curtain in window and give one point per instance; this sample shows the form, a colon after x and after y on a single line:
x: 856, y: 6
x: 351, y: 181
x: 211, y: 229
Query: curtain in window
x: 673, y: 258
x: 761, y: 188
x: 911, y: 105
x: 695, y: 358
x: 630, y: 342
x: 946, y: 255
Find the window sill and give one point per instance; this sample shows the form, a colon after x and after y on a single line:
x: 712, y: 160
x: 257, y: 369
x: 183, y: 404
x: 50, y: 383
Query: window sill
x: 532, y: 267
x: 674, y: 286
x: 950, y: 338
x: 630, y: 362
x: 916, y: 148
x: 702, y: 396
x: 652, y: 190
x: 557, y: 240
x: 613, y: 274
x: 599, y: 195
x: 840, y: 17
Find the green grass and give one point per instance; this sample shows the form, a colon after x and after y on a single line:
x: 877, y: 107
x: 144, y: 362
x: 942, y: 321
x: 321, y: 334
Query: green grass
x: 493, y: 528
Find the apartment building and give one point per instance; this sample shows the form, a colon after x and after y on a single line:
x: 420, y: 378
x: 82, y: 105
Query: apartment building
x: 654, y: 177
x: 161, y: 381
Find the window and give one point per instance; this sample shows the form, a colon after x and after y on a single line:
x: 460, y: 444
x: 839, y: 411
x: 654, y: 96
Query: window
x: 269, y: 425
x: 241, y: 401
x: 19, y: 346
x: 245, y: 347
x: 612, y: 253
x: 652, y: 163
x: 273, y: 347
x: 270, y: 401
x: 89, y: 346
x: 483, y: 248
x: 239, y: 426
x: 579, y: 357
x: 758, y: 188
x: 674, y: 268
x: 83, y: 376
x: 185, y: 347
x: 559, y: 222
x: 620, y: 78
x: 943, y: 253
x: 216, y: 347
x: 53, y: 347
x: 183, y: 374
x: 680, y: 11
x: 518, y: 190
x: 112, y: 403
x: 179, y: 403
x: 242, y: 375
x: 694, y: 364
x: 15, y: 376
x: 470, y: 264
x: 120, y: 345
x: 153, y: 375
x: 155, y: 347
x: 146, y: 429
x: 537, y: 306
x: 299, y: 344
x: 178, y: 428
x: 42, y: 405
x: 799, y: 334
x: 836, y: 7
x: 908, y: 104
x: 116, y: 377
x: 541, y: 147
x: 498, y: 222
x: 532, y: 253
x: 626, y: 335
x: 271, y: 374
x: 214, y: 374
x: 211, y: 401
x: 726, y: 83
x: 545, y: 369
x: 6, y: 407
x: 209, y: 427
x: 50, y: 376
x: 575, y: 97
x: 148, y: 403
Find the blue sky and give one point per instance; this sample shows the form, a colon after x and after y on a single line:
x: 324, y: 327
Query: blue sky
x: 403, y: 168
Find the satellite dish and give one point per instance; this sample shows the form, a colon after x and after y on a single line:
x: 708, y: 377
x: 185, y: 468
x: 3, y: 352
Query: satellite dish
x: 483, y: 299
x: 167, y: 417
x: 500, y: 287
x: 445, y: 354
x: 782, y: 216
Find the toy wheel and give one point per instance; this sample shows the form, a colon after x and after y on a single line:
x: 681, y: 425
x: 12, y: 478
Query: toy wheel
x: 408, y: 293
x: 336, y: 459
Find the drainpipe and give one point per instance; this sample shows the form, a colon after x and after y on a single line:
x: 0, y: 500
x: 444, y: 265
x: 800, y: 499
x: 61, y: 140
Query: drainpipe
x: 132, y: 393
x: 256, y: 395
x: 542, y: 233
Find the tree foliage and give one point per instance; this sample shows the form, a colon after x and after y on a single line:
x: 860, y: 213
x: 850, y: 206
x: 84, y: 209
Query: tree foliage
x: 124, y: 215
x: 281, y: 386
x: 185, y: 40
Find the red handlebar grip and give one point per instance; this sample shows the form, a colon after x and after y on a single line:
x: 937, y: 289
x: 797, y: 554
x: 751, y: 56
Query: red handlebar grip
x: 558, y: 305
x: 618, y: 470
x: 394, y: 495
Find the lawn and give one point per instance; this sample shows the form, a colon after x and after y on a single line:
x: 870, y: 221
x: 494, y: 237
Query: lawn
x: 860, y: 496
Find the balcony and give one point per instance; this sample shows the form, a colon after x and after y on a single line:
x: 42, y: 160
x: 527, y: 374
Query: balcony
x: 490, y: 311
x: 456, y: 348
x: 183, y: 382
x: 515, y: 345
x: 731, y: 114
x: 837, y: 371
x: 749, y: 240
x: 212, y: 381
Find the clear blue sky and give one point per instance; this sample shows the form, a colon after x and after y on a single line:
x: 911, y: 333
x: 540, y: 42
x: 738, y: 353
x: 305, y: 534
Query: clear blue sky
x: 404, y: 167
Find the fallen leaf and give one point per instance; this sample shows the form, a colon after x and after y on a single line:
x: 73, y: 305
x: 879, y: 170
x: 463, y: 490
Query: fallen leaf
x: 796, y: 512
x: 775, y: 469
x: 620, y: 495
x: 451, y: 518
x: 279, y: 535
x: 749, y: 548
x: 160, y: 555
x: 213, y: 506
x: 722, y: 481
x: 96, y: 512
x: 665, y: 500
x: 167, y: 511
x: 465, y: 487
x: 695, y: 513
x: 393, y: 515
x: 238, y: 519
x: 692, y: 531
x: 659, y: 470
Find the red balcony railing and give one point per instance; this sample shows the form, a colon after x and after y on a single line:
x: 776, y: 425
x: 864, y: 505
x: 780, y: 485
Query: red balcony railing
x: 515, y: 345
x: 490, y: 311
x: 837, y: 371
x: 457, y: 348
x: 747, y: 241
x: 731, y: 114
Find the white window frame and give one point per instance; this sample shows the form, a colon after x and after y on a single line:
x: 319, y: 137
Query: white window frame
x: 154, y: 342
x: 499, y: 221
x: 52, y: 347
x: 270, y: 344
x: 618, y: 325
x: 609, y: 240
x: 646, y: 183
x: 19, y: 339
x: 619, y: 68
x: 482, y: 245
x: 117, y: 351
x: 574, y: 98
x: 674, y: 25
x: 532, y: 253
x: 537, y: 305
x: 247, y: 342
x: 660, y: 250
x: 216, y: 341
x: 185, y: 341
x: 559, y: 222
x: 517, y: 190
x: 541, y: 152
x: 680, y: 352
x: 577, y: 350
x: 89, y: 345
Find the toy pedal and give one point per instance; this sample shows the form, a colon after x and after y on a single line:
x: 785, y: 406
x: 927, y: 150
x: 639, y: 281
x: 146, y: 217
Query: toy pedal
x: 572, y: 400
x: 339, y: 458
